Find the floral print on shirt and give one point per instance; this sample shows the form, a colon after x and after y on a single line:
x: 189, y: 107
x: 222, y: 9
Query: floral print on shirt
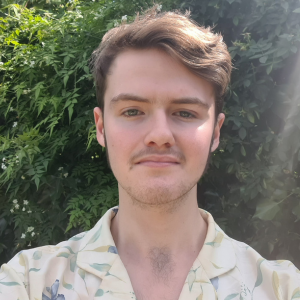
x: 88, y: 266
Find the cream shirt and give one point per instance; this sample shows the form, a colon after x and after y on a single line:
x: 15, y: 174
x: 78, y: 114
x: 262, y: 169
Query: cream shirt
x: 88, y: 266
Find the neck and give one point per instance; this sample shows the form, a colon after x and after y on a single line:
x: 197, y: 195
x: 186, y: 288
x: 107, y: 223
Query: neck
x: 142, y: 231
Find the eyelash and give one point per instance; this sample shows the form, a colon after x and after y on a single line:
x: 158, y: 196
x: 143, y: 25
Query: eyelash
x: 191, y: 116
x: 125, y: 113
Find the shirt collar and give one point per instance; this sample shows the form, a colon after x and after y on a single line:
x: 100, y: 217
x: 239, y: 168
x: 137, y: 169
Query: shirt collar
x: 98, y: 251
x: 217, y: 255
x: 99, y: 255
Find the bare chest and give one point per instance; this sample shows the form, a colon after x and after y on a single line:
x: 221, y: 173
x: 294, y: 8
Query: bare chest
x: 149, y: 285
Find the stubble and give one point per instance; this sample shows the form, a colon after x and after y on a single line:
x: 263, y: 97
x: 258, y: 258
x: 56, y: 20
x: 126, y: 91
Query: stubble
x: 166, y: 199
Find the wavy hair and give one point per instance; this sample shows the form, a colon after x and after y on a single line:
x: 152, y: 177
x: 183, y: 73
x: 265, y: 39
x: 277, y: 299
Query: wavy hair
x: 203, y: 52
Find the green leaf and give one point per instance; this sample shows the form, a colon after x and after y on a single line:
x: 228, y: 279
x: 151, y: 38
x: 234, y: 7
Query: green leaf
x: 110, y: 25
x: 266, y: 210
x: 45, y: 163
x: 230, y: 168
x: 99, y: 293
x: 296, y: 293
x: 70, y: 110
x: 9, y: 283
x: 242, y: 133
x: 250, y: 117
x: 294, y: 49
x: 69, y: 248
x: 247, y: 83
x: 231, y: 296
x: 276, y: 286
x: 263, y: 59
x: 96, y: 236
x: 236, y: 21
x: 66, y: 60
x: 33, y: 270
x: 77, y: 237
x: 216, y: 266
x: 264, y: 184
x: 269, y: 69
x: 66, y: 78
x: 67, y: 285
x: 81, y: 273
x: 16, y: 11
x: 63, y: 254
x: 19, y: 93
x: 73, y: 262
x: 69, y: 102
x: 38, y: 89
x: 259, y: 278
x: 37, y: 255
x: 52, y: 48
x: 101, y: 267
x: 191, y: 279
x: 243, y: 151
x: 37, y: 182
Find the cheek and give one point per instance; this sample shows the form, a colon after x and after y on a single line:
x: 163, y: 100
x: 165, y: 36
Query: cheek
x: 197, y: 143
x: 121, y: 142
x: 204, y: 135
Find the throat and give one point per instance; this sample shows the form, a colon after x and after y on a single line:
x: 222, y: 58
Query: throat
x: 162, y: 263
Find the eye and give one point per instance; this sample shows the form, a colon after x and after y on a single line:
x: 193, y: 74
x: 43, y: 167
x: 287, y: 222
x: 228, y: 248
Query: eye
x: 185, y: 114
x: 131, y: 113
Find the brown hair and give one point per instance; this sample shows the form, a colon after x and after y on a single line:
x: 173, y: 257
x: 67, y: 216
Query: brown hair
x: 203, y: 52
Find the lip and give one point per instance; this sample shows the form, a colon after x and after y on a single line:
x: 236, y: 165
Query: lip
x: 158, y: 161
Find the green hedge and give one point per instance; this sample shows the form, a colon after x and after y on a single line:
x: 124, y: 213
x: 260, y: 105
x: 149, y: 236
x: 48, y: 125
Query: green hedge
x: 54, y: 178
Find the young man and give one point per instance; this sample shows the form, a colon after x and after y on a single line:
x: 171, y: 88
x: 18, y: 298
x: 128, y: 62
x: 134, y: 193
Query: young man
x: 160, y: 84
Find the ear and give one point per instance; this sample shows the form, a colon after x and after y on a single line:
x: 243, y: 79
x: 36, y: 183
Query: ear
x: 216, y: 135
x: 99, y: 126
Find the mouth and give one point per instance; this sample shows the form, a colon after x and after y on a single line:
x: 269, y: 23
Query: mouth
x: 158, y: 161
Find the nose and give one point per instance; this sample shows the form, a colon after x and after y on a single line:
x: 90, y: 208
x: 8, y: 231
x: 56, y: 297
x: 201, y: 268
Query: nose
x: 160, y: 133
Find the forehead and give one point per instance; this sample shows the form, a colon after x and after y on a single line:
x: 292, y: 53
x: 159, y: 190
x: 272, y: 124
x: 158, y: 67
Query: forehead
x: 155, y: 75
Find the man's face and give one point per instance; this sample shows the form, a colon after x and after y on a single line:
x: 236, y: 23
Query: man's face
x: 159, y: 126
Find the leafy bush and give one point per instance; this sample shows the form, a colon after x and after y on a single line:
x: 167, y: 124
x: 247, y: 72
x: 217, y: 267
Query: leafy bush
x: 52, y: 165
x: 55, y: 180
x: 253, y: 186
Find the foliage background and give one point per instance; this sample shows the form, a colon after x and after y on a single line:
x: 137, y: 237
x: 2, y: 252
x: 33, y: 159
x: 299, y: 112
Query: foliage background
x: 54, y: 178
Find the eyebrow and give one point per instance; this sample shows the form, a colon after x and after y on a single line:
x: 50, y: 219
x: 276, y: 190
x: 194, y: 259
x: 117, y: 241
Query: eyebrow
x: 184, y: 100
x: 191, y: 100
x: 128, y: 97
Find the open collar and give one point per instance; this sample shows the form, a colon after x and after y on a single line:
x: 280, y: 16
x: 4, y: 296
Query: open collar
x: 98, y: 251
x: 217, y: 255
x: 98, y: 255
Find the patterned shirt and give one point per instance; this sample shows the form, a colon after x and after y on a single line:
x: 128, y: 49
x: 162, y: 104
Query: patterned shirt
x: 88, y: 266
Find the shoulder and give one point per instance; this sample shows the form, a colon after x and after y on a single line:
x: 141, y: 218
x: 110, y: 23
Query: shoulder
x: 58, y: 258
x: 47, y: 267
x: 16, y: 275
x: 243, y: 271
x: 245, y: 254
x: 32, y: 260
x: 278, y: 279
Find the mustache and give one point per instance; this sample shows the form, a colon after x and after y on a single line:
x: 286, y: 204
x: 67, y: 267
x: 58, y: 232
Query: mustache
x: 152, y: 151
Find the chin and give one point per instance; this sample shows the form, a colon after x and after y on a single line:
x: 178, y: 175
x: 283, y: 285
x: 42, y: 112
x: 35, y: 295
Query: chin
x: 159, y: 194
